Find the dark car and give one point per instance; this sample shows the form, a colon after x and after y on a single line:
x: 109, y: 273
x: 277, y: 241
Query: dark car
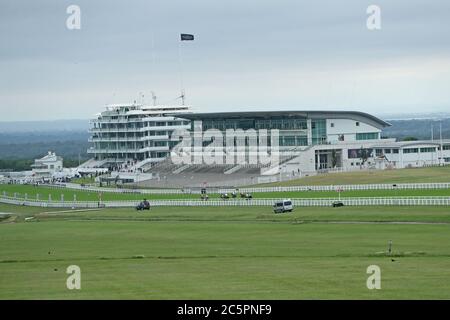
x: 338, y: 204
x: 144, y: 205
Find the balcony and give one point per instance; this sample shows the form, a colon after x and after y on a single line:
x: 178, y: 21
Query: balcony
x: 127, y: 150
x: 128, y: 139
x: 142, y: 129
x: 123, y: 139
x: 122, y: 120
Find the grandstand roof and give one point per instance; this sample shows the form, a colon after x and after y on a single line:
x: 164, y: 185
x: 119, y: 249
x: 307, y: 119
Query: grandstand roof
x: 354, y: 115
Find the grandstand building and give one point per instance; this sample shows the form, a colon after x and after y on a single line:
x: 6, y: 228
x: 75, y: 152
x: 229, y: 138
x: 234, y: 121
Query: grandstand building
x: 312, y: 141
x: 308, y: 142
x: 132, y: 133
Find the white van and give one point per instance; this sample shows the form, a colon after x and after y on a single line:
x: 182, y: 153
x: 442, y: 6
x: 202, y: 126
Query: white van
x: 283, y: 206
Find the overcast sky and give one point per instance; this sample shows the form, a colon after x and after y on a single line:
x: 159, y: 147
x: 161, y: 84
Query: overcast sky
x: 247, y: 55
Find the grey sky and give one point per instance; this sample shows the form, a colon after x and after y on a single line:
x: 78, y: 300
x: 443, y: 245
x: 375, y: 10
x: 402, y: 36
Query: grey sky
x: 253, y: 55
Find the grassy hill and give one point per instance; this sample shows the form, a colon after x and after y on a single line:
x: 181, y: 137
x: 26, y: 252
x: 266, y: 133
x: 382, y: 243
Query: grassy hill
x: 419, y: 175
x: 226, y: 253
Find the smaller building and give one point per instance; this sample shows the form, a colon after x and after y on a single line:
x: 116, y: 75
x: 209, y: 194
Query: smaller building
x: 47, y: 166
x: 3, y: 179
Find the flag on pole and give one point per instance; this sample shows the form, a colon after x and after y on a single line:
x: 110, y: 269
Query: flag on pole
x: 187, y: 37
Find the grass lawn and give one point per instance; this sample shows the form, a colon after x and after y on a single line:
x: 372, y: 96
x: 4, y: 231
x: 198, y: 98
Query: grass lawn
x: 225, y: 253
x: 93, y: 196
x: 412, y: 175
x: 84, y: 180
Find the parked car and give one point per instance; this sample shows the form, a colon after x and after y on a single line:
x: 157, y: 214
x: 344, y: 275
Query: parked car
x: 283, y: 206
x: 337, y: 204
x: 144, y: 205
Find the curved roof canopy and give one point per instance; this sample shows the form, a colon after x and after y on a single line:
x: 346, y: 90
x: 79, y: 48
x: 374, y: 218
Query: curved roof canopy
x: 354, y: 115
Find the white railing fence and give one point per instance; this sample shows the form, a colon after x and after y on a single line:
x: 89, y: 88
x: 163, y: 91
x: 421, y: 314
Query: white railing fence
x: 319, y: 202
x: 348, y: 187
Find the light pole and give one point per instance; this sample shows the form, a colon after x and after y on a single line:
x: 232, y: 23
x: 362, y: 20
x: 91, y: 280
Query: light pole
x: 440, y: 143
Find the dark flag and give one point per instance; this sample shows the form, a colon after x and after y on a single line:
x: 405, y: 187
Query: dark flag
x: 187, y: 37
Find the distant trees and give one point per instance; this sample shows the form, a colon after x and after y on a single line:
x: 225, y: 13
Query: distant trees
x: 25, y: 164
x: 16, y: 165
x: 417, y: 128
x: 65, y: 149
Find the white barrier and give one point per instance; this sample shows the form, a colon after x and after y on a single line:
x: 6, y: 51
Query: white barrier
x: 348, y: 187
x: 75, y: 186
x: 319, y: 202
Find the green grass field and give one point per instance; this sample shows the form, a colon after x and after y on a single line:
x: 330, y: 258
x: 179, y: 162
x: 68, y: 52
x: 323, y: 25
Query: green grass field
x: 418, y: 175
x: 225, y: 253
x: 44, y: 192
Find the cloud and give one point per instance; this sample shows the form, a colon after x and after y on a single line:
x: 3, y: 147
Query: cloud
x: 247, y: 54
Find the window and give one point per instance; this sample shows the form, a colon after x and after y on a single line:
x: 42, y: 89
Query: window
x: 246, y: 124
x: 357, y: 123
x: 160, y: 143
x: 386, y: 151
x: 411, y: 150
x: 446, y: 147
x: 319, y: 131
x: 379, y: 152
x: 332, y: 125
x: 359, y: 153
x: 395, y: 150
x: 367, y: 136
x: 423, y: 150
x: 287, y: 141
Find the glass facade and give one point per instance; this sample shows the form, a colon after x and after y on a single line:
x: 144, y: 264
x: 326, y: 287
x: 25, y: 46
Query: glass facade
x: 292, y: 141
x: 319, y: 131
x: 292, y: 131
x: 245, y: 124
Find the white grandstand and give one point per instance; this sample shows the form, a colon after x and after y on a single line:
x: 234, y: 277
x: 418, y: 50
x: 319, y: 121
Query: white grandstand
x: 135, y: 141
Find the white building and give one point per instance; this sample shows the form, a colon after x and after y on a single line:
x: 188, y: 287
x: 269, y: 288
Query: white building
x: 133, y: 138
x: 47, y: 166
x: 3, y: 179
x: 127, y: 134
x: 378, y: 154
x: 312, y: 141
